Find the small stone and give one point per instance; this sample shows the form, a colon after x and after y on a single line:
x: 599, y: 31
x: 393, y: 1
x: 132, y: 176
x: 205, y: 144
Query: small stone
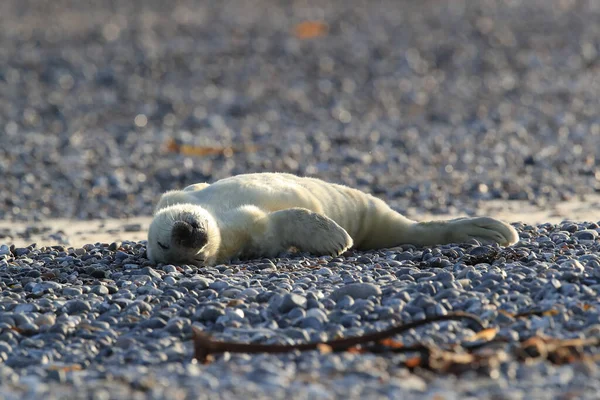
x: 169, y: 269
x: 59, y: 375
x: 26, y: 308
x: 77, y: 306
x: 132, y: 227
x: 266, y: 267
x: 154, y: 323
x: 169, y: 280
x: 100, y: 290
x: 219, y: 285
x: 586, y: 234
x: 324, y: 271
x: 147, y: 289
x: 21, y: 319
x: 356, y: 291
x: 572, y: 265
x: 60, y: 328
x: 318, y: 314
x: 231, y: 292
x: 482, y: 251
x: 151, y: 272
x: 19, y: 362
x: 449, y: 293
x: 311, y: 322
x: 209, y: 313
x: 296, y: 333
x: 29, y: 329
x: 21, y: 251
x: 404, y: 256
x: 232, y: 315
x: 444, y: 276
x: 45, y: 319
x: 504, y: 318
x: 345, y: 302
x: 296, y: 312
x: 440, y: 310
x: 290, y: 301
x: 72, y: 291
x: 249, y: 293
x: 177, y: 325
x: 5, y: 348
x: 99, y: 274
x: 201, y: 284
x: 350, y: 320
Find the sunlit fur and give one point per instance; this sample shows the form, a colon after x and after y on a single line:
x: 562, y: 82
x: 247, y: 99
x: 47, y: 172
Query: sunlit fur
x: 160, y: 232
x: 262, y: 215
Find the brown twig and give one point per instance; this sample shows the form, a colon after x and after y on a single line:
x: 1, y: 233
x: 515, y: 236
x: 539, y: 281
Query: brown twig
x: 204, y: 345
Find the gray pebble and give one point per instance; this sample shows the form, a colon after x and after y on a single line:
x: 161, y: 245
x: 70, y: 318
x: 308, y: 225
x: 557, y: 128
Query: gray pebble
x: 324, y: 271
x: 296, y: 312
x: 296, y: 333
x: 45, y: 320
x: 132, y: 227
x: 444, y: 276
x: 100, y: 290
x: 72, y: 291
x: 217, y: 285
x: 154, y: 323
x: 209, y: 313
x: 26, y: 308
x: 291, y: 301
x: 356, y: 291
x: 77, y: 306
x: 345, y: 302
x: 57, y: 375
x: 29, y: 329
x: 151, y: 272
x: 572, y: 266
x: 317, y: 313
x: 231, y: 292
x: 350, y: 320
x: 249, y: 293
x: 586, y: 234
x: 311, y: 322
x: 267, y: 267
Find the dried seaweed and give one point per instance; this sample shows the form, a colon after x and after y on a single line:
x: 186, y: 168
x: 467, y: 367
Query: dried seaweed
x: 204, y: 345
x: 484, y: 352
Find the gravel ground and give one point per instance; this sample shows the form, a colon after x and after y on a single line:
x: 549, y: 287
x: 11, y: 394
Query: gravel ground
x: 434, y: 106
x: 102, y: 321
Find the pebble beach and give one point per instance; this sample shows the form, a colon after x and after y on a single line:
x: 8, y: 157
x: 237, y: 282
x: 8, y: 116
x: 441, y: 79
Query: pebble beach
x: 439, y: 108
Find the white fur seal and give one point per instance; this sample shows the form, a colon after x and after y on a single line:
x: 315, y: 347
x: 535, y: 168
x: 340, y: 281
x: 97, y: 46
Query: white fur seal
x: 265, y: 214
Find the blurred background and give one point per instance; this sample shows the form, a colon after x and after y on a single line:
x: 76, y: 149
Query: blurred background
x: 435, y: 106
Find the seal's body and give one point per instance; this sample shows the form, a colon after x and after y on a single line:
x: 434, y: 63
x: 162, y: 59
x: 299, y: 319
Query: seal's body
x: 262, y: 215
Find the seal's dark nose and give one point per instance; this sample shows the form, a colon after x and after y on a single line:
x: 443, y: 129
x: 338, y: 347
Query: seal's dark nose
x: 188, y: 235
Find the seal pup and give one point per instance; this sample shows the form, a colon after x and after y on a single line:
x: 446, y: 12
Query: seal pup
x: 264, y: 214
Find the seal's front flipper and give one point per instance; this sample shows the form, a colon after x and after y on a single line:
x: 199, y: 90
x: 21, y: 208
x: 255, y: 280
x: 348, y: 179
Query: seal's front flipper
x: 307, y: 231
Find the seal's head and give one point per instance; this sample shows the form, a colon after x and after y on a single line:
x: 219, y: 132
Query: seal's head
x: 183, y: 234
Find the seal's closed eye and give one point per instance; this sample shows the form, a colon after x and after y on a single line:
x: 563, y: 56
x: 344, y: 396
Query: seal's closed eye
x: 162, y: 246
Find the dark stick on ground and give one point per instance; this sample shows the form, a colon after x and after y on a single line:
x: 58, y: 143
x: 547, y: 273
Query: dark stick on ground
x: 205, y: 346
